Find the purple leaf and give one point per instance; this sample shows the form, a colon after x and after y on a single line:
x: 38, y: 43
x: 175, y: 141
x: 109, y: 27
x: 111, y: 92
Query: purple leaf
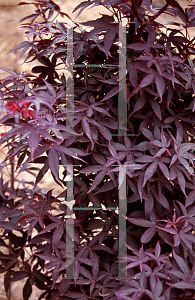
x: 98, y: 179
x: 138, y: 46
x: 156, y: 108
x: 86, y: 128
x: 95, y: 268
x: 147, y: 4
x: 108, y: 186
x: 86, y: 273
x: 158, y: 289
x: 54, y: 164
x: 133, y: 75
x: 9, y: 71
x: 78, y: 50
x: 148, y: 234
x: 51, y: 88
x: 33, y: 141
x: 111, y: 93
x: 57, y: 234
x: 76, y: 269
x: 105, y: 132
x: 108, y: 39
x: 160, y: 84
x: 112, y: 150
x: 103, y: 248
x: 164, y: 169
x: 148, y: 133
x: 67, y: 152
x: 191, y: 198
x: 140, y: 222
x: 182, y: 181
x: 94, y: 199
x: 184, y: 285
x: 48, y: 257
x: 91, y: 169
x: 148, y: 79
x: 150, y: 172
x: 185, y: 164
x: 138, y: 105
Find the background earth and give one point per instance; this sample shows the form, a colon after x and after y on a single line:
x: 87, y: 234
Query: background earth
x: 12, y: 35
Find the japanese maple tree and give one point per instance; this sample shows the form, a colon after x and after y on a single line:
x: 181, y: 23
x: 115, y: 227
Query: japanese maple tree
x: 155, y: 154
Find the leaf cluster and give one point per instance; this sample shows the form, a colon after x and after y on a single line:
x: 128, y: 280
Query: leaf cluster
x: 155, y: 154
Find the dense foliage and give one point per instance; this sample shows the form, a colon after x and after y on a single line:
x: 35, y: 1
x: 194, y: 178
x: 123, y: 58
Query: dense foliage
x: 157, y: 152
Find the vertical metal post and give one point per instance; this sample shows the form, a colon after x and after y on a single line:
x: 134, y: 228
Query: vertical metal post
x: 122, y: 249
x: 70, y: 225
x: 122, y: 98
x: 70, y: 80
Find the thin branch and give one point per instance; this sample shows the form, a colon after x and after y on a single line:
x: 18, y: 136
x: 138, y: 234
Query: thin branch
x: 151, y: 19
x: 137, y: 14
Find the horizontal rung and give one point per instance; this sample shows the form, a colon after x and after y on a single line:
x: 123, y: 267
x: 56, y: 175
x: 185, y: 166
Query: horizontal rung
x: 95, y: 65
x: 94, y: 208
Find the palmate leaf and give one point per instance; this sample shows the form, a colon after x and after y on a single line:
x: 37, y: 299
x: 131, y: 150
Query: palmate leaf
x: 108, y: 39
x: 157, y: 156
x: 184, y: 285
x: 150, y: 172
x: 98, y: 179
x: 148, y: 234
x: 182, y: 264
x: 160, y: 84
x: 54, y: 164
x: 33, y: 141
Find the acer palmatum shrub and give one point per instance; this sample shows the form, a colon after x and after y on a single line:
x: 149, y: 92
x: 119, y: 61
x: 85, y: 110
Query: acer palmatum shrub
x: 155, y: 155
